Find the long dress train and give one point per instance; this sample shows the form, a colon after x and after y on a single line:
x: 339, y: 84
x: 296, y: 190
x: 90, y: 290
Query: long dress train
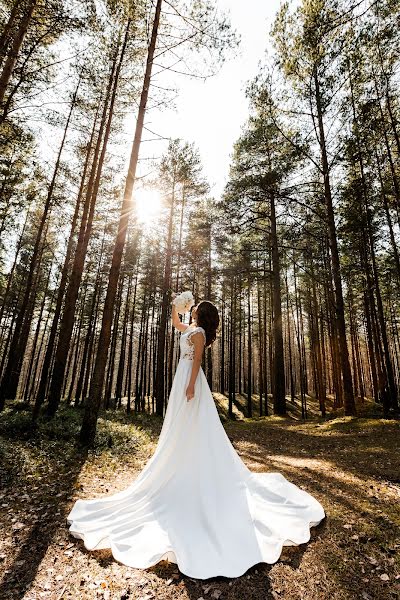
x: 195, y: 502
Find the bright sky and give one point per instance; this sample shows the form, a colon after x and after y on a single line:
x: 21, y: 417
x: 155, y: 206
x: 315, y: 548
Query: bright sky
x: 211, y: 113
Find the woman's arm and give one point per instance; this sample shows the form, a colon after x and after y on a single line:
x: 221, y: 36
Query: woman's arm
x: 197, y: 339
x: 176, y: 322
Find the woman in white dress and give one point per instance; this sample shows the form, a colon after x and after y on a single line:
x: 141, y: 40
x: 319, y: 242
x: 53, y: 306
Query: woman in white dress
x: 196, y: 503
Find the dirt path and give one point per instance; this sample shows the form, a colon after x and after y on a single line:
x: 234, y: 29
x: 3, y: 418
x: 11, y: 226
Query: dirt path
x: 351, y: 466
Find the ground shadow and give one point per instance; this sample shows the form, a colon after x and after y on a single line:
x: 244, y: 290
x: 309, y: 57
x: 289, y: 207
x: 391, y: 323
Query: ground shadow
x: 252, y: 585
x: 50, y: 510
x: 354, y: 447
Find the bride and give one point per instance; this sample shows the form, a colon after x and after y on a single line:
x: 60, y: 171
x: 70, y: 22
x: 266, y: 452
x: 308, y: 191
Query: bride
x: 196, y: 503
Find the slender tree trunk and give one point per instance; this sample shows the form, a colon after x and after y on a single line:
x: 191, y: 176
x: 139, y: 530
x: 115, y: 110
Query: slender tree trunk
x: 29, y: 383
x: 349, y: 404
x: 67, y: 320
x: 260, y: 347
x: 292, y: 392
x: 222, y: 351
x: 11, y: 59
x: 279, y: 363
x: 232, y: 358
x: 37, y: 362
x: 320, y: 379
x: 4, y: 38
x: 249, y: 351
x: 370, y: 346
x: 209, y: 354
x: 121, y: 365
x: 11, y: 274
x: 44, y: 378
x: 87, y: 348
x: 114, y: 340
x: 9, y: 381
x: 140, y: 353
x: 130, y: 349
x: 388, y: 219
x: 178, y: 268
x: 393, y: 171
x: 299, y: 349
x: 166, y: 298
x: 92, y: 406
x: 265, y: 328
x: 75, y: 353
x: 390, y: 395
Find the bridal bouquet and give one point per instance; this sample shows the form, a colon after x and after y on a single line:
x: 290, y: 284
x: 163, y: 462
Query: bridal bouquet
x: 184, y: 302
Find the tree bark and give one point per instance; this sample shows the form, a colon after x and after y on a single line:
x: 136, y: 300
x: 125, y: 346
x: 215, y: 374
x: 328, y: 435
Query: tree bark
x: 44, y: 378
x: 166, y: 299
x: 10, y: 379
x: 88, y: 429
x: 11, y: 59
x: 348, y: 393
x: 279, y: 361
x: 67, y: 320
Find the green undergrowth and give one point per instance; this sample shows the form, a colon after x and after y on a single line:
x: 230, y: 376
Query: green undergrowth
x: 117, y: 432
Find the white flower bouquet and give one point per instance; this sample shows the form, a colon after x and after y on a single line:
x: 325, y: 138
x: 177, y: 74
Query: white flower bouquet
x: 183, y: 302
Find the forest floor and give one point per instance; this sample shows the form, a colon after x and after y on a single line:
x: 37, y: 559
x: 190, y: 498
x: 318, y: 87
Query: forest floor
x: 351, y: 465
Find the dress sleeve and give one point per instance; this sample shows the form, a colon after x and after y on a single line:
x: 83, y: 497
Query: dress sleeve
x: 197, y: 330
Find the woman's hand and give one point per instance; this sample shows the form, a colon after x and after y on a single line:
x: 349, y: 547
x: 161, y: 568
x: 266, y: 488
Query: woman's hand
x: 175, y: 320
x: 189, y: 392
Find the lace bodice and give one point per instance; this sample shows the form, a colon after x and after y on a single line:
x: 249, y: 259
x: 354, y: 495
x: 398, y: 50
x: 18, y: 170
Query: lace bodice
x: 187, y: 347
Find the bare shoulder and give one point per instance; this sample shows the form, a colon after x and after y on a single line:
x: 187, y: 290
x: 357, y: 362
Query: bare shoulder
x: 197, y: 336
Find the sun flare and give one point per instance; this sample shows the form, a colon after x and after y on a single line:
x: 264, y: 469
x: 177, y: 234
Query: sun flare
x: 148, y: 205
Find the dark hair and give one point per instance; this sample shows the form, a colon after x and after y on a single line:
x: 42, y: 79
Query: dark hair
x: 207, y: 317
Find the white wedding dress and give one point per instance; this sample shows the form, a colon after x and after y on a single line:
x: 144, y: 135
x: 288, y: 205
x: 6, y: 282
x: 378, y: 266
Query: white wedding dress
x: 195, y: 503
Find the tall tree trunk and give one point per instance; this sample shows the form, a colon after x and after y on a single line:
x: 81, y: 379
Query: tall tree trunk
x: 114, y: 340
x: 260, y: 346
x: 390, y: 395
x: 292, y: 392
x: 130, y: 348
x: 370, y: 346
x: 299, y: 349
x: 222, y: 346
x: 349, y: 403
x: 209, y: 354
x: 178, y: 268
x: 265, y: 329
x: 11, y: 274
x: 10, y: 379
x: 88, y: 430
x: 388, y: 218
x: 166, y: 298
x: 393, y: 171
x: 67, y: 320
x: 4, y: 38
x: 232, y: 352
x: 44, y: 378
x: 249, y: 351
x: 279, y: 362
x: 30, y: 384
x: 88, y: 344
x: 121, y: 365
x: 37, y: 365
x: 11, y: 59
